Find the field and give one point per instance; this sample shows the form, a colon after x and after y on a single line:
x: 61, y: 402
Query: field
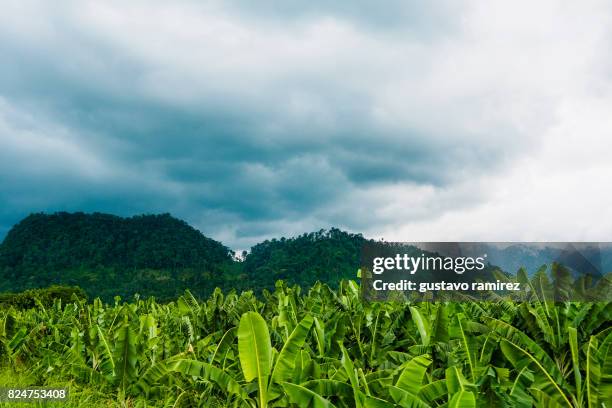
x: 314, y: 347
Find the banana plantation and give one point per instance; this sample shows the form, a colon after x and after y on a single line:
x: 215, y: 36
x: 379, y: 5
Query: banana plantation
x: 319, y: 347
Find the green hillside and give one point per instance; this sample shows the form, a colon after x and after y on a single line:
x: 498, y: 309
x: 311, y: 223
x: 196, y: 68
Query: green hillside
x: 149, y: 254
x: 326, y: 256
x: 161, y: 256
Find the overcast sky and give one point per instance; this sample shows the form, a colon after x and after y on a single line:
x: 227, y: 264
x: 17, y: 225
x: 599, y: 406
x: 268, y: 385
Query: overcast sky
x: 411, y: 121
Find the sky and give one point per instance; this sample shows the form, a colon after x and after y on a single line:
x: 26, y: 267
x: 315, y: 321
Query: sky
x: 410, y: 121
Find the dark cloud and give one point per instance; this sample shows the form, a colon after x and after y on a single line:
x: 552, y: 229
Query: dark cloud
x: 239, y: 145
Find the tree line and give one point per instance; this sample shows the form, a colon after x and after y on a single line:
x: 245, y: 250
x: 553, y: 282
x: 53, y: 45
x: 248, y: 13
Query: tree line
x: 161, y: 256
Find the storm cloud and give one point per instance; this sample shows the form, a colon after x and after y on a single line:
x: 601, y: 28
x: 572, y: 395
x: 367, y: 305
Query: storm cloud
x: 253, y: 120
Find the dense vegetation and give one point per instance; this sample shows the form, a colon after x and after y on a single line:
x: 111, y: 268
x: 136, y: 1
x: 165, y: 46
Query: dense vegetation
x: 63, y: 241
x: 319, y: 348
x: 327, y: 256
x: 43, y: 297
x: 283, y: 347
x: 108, y: 255
x: 159, y: 255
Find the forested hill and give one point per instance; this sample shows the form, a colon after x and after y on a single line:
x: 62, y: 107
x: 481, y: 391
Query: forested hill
x: 78, y: 240
x: 161, y: 256
x: 326, y: 255
x: 104, y: 254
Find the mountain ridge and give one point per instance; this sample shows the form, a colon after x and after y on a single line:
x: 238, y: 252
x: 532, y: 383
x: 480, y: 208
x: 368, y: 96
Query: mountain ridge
x: 160, y: 255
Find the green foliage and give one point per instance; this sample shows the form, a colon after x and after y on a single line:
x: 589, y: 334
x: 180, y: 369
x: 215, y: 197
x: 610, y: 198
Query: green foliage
x: 45, y: 296
x: 327, y: 256
x: 255, y: 352
x: 161, y: 256
x: 108, y: 255
x: 320, y: 347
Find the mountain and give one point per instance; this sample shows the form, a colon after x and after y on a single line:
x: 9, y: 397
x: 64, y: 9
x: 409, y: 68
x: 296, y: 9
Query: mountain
x: 512, y: 257
x: 326, y: 255
x: 593, y: 258
x: 104, y: 254
x: 161, y: 256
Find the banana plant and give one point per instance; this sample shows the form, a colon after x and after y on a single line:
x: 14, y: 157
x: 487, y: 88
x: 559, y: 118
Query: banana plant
x: 256, y: 354
x: 320, y: 347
